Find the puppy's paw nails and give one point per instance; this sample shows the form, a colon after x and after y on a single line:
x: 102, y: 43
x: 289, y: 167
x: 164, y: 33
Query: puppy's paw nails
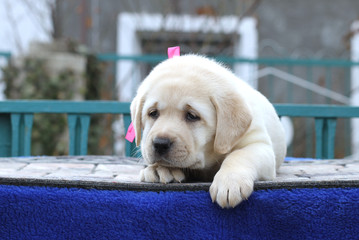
x: 164, y: 174
x: 155, y: 173
x: 149, y: 174
x: 142, y: 175
x: 168, y: 175
x: 178, y: 175
x: 229, y: 190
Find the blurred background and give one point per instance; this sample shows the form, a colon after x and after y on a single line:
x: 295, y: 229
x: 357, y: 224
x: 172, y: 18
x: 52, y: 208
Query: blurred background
x: 302, y: 52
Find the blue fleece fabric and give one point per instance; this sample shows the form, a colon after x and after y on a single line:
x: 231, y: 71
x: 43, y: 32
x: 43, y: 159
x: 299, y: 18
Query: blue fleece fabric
x: 68, y: 213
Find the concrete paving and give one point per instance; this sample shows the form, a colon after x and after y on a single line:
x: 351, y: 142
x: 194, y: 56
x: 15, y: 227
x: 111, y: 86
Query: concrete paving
x: 111, y: 172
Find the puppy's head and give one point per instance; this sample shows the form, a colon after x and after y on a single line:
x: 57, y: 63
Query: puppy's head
x: 188, y: 113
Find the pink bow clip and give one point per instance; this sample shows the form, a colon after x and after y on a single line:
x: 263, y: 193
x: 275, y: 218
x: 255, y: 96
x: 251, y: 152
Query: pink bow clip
x: 130, y: 135
x: 173, y: 52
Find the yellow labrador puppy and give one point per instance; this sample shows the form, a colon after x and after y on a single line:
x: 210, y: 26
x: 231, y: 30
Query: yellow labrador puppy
x: 194, y: 119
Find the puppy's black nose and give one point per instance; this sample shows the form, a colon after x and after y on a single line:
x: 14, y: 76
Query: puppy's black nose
x: 161, y: 145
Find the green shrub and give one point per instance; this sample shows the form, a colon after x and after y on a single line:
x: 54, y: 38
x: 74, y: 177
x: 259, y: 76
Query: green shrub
x: 33, y: 81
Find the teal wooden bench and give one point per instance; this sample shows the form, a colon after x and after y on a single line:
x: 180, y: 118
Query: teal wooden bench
x: 325, y: 122
x: 16, y: 120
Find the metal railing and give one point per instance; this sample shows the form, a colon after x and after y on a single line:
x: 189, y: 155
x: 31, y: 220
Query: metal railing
x: 282, y: 81
x: 309, y: 70
x: 300, y: 81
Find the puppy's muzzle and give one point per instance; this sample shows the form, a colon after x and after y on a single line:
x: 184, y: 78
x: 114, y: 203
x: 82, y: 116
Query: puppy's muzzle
x: 161, y: 146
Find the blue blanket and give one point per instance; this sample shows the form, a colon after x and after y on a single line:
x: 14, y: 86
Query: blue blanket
x: 28, y: 212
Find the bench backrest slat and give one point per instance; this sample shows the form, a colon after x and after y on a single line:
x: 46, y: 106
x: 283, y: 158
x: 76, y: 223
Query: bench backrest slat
x: 17, y: 115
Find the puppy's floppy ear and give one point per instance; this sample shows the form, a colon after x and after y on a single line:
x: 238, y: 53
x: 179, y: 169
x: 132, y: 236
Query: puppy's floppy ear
x: 136, y: 116
x: 233, y: 120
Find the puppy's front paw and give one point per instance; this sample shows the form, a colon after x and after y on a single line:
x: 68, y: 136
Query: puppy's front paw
x: 156, y: 173
x: 230, y: 189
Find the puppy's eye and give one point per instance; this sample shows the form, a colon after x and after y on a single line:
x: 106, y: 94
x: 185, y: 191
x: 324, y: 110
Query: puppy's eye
x: 154, y: 114
x: 191, y: 117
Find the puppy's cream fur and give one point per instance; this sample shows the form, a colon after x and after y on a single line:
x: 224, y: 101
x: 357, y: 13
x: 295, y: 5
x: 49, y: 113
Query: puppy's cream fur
x: 220, y: 129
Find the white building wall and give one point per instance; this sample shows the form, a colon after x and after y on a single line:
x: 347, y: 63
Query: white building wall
x: 128, y: 78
